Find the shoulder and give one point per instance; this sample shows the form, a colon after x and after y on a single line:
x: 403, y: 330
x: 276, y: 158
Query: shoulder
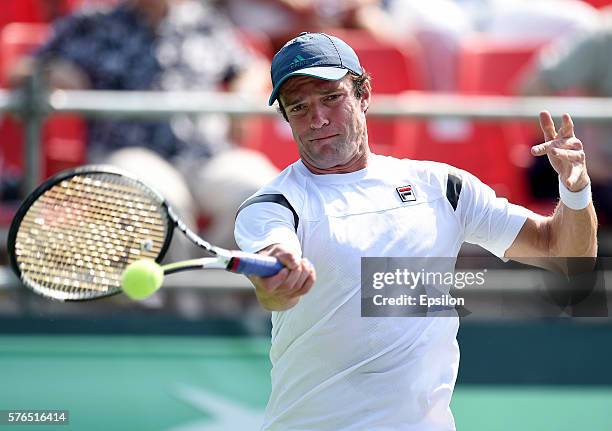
x: 422, y: 169
x: 429, y: 174
x: 286, y: 190
x: 289, y: 181
x: 431, y: 180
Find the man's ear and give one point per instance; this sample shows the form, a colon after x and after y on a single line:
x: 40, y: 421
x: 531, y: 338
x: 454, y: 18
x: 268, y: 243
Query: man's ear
x: 364, y: 105
x: 366, y: 97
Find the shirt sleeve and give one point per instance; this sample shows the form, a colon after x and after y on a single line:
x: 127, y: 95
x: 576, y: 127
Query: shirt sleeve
x: 262, y: 224
x: 488, y: 220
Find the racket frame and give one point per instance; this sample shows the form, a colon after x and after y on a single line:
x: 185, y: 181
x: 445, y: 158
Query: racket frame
x: 172, y: 220
x: 233, y: 261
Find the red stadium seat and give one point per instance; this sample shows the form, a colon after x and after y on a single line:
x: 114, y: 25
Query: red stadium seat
x: 496, y: 152
x: 599, y: 4
x: 272, y: 137
x: 20, y: 11
x: 17, y: 40
x: 258, y: 42
x: 394, y: 69
x: 35, y: 11
x: 488, y: 66
x: 63, y: 140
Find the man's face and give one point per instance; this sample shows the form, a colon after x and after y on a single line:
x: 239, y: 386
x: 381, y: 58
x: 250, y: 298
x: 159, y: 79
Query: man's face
x: 327, y: 120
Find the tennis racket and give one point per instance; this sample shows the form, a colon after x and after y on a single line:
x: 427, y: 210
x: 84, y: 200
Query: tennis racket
x: 74, y: 235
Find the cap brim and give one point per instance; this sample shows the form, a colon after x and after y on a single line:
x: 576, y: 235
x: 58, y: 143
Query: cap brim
x: 327, y: 73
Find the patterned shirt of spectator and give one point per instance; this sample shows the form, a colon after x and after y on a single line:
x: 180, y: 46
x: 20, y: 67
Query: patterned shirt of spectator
x: 194, y: 48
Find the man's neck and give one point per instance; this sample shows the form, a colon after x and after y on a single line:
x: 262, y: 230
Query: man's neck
x: 360, y: 161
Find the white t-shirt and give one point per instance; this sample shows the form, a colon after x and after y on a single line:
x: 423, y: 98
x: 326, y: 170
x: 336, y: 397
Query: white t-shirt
x: 331, y: 368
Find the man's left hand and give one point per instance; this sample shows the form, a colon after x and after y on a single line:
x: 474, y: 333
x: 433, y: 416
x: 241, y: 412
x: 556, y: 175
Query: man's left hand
x: 564, y: 152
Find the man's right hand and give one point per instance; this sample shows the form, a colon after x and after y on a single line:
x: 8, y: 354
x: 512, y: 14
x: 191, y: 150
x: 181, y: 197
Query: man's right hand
x: 283, y: 290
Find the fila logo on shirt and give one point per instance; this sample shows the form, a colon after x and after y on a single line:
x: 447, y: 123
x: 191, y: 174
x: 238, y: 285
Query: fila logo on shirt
x: 406, y: 193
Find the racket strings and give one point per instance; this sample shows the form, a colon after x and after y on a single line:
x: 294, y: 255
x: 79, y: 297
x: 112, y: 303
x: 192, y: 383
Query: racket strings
x: 107, y: 215
x: 77, y: 238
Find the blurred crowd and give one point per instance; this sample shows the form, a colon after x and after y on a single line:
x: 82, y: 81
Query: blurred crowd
x: 206, y: 165
x: 199, y: 162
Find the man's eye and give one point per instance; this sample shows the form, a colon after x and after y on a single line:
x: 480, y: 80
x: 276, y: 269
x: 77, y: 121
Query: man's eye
x: 333, y: 97
x: 297, y: 108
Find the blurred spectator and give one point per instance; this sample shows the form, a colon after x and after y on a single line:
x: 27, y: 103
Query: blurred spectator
x: 280, y: 20
x: 583, y: 63
x: 536, y: 19
x: 440, y: 26
x: 164, y: 45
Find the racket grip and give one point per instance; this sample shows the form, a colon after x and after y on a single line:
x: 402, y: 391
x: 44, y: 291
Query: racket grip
x: 254, y: 264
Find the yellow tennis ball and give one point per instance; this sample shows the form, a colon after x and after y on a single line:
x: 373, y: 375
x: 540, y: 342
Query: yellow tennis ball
x: 142, y: 278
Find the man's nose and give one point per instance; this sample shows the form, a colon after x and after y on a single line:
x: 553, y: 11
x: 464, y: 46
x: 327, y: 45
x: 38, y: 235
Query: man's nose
x: 318, y: 117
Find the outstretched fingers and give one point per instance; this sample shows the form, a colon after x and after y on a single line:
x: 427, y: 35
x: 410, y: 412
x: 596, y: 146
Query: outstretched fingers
x: 567, y: 127
x: 548, y: 126
x: 540, y: 149
x: 550, y: 147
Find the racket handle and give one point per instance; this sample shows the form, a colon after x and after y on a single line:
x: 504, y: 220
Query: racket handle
x: 254, y: 264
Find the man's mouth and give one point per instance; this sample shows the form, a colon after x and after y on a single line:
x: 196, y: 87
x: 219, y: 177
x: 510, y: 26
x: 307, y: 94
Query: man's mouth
x: 323, y: 138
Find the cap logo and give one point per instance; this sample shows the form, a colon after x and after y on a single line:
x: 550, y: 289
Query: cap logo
x: 297, y: 61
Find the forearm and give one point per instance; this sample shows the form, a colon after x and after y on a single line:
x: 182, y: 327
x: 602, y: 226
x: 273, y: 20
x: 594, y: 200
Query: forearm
x: 66, y: 75
x: 572, y: 233
x: 59, y: 74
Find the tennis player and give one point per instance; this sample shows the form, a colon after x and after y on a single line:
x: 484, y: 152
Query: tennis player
x: 332, y: 369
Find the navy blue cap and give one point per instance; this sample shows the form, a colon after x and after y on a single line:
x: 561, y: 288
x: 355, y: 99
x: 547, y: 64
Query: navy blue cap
x: 313, y: 54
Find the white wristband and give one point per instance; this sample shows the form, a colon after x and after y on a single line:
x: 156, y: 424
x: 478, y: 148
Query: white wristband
x: 575, y: 200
